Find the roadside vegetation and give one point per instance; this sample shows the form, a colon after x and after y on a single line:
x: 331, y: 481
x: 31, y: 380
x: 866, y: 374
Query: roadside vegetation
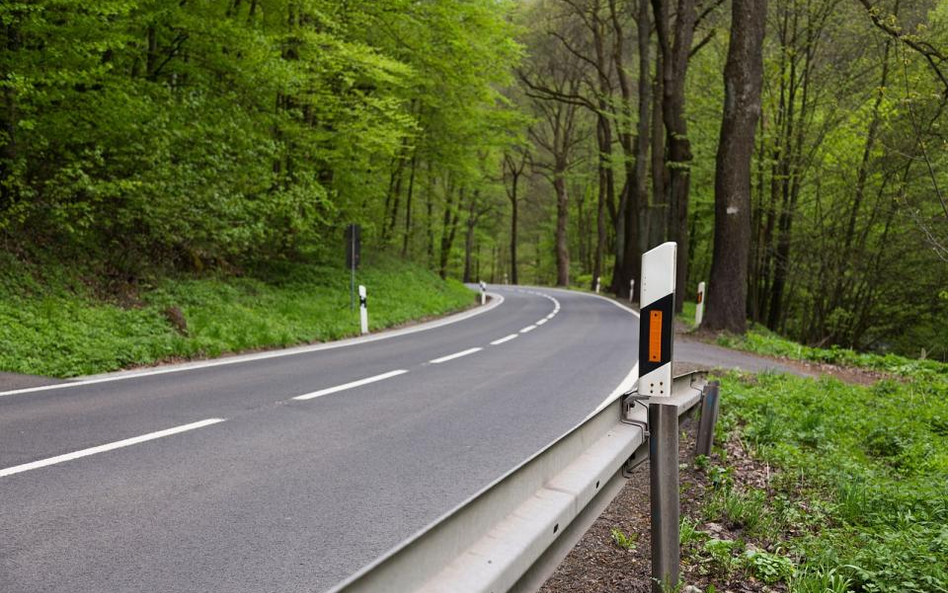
x: 540, y: 142
x: 53, y: 323
x: 825, y: 486
x: 760, y: 340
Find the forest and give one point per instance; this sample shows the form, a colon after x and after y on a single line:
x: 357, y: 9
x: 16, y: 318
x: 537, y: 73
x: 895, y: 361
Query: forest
x: 796, y: 150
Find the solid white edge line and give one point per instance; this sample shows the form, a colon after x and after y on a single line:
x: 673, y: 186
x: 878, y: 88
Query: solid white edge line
x: 625, y: 386
x: 351, y: 385
x: 455, y: 355
x: 503, y: 339
x: 107, y: 447
x: 529, y: 328
x: 496, y: 301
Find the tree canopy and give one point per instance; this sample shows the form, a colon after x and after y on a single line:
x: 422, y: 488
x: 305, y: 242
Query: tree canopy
x: 541, y: 141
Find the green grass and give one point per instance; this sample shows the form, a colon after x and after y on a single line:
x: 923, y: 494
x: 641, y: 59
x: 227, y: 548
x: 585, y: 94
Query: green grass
x: 687, y: 314
x: 622, y: 540
x: 762, y: 341
x: 861, y: 482
x: 54, y: 326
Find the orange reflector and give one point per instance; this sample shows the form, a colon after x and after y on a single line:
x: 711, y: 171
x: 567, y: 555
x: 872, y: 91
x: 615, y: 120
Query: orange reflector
x: 700, y: 297
x: 655, y: 336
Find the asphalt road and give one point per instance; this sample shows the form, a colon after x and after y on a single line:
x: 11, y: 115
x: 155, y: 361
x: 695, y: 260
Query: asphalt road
x: 216, y: 478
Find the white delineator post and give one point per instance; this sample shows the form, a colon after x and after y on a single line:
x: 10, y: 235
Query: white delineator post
x: 483, y: 293
x: 363, y: 310
x: 631, y: 290
x: 597, y: 284
x: 699, y: 306
x: 657, y: 313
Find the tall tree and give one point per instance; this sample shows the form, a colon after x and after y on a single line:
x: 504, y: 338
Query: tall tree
x: 743, y: 78
x: 553, y: 80
x: 515, y: 162
x: 675, y: 51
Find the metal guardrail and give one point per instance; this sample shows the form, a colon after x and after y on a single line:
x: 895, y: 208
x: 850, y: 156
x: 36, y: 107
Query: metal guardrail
x: 512, y: 535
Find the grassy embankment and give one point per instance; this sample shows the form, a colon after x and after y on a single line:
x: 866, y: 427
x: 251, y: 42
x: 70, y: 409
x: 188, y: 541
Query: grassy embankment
x: 856, y: 495
x: 52, y: 323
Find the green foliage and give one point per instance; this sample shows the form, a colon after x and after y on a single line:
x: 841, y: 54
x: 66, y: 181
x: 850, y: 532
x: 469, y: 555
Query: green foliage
x: 622, y: 540
x: 769, y: 568
x: 820, y: 580
x: 702, y: 462
x: 763, y: 341
x: 144, y: 134
x: 58, y: 328
x: 688, y: 312
x: 720, y: 554
x: 863, y: 478
x: 688, y: 532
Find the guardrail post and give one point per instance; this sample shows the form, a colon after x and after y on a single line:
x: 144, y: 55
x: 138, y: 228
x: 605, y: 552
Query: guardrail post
x: 663, y: 487
x: 710, y: 404
x: 656, y: 339
x: 363, y: 311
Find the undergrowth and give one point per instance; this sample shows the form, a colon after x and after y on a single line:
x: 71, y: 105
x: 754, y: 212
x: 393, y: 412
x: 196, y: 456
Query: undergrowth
x: 58, y: 326
x: 762, y: 341
x: 858, y: 499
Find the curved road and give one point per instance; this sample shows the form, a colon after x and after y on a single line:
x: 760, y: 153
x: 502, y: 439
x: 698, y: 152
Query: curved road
x: 290, y: 472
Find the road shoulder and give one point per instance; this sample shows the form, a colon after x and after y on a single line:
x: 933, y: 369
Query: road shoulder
x: 11, y: 381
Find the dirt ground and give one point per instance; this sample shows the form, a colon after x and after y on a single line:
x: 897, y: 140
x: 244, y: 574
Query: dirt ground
x: 597, y: 564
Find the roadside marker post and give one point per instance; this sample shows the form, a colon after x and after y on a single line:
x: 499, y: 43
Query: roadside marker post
x: 363, y: 310
x: 657, y: 313
x: 483, y: 293
x: 597, y: 284
x: 631, y: 291
x: 699, y: 307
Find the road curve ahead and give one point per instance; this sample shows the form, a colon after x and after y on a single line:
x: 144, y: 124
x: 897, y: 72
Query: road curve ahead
x: 289, y: 473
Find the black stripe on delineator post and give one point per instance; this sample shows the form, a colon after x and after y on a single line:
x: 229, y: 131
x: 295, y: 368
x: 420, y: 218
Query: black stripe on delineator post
x: 665, y: 306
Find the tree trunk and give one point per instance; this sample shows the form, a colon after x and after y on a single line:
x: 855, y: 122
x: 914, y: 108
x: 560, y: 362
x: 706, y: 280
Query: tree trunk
x: 674, y: 72
x: 411, y: 191
x: 513, y: 235
x: 849, y: 257
x: 469, y: 240
x: 743, y: 76
x: 562, y: 223
x: 658, y: 216
x: 516, y: 170
x: 605, y: 185
x: 629, y: 226
x: 449, y: 228
x: 582, y: 229
x: 429, y: 208
x: 754, y: 280
x: 638, y: 203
